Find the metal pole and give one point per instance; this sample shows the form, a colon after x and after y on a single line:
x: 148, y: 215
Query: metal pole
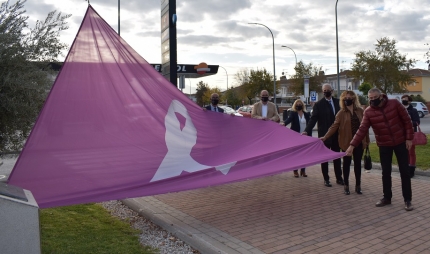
x: 274, y: 73
x: 190, y: 87
x: 225, y: 75
x: 119, y: 20
x: 291, y: 50
x: 337, y: 54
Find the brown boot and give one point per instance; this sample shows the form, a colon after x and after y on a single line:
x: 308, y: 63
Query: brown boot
x: 296, y: 173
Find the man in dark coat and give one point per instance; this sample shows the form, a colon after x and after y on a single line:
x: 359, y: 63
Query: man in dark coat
x: 214, y: 104
x: 324, y: 112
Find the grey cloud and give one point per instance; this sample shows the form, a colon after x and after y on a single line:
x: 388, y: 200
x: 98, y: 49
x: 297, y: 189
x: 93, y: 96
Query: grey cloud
x: 195, y: 10
x: 242, y: 30
x: 142, y: 24
x: 148, y: 34
x: 37, y: 11
x: 131, y: 5
x: 182, y: 32
x: 33, y: 8
x: 404, y: 26
x: 202, y: 40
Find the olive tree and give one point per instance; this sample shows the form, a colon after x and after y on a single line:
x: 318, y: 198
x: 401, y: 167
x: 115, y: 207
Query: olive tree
x: 26, y: 57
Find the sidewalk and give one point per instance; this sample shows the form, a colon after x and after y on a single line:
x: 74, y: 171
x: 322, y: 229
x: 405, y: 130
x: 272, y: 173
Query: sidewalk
x: 283, y: 214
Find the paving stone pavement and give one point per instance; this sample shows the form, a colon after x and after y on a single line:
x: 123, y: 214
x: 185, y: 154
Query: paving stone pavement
x: 283, y: 214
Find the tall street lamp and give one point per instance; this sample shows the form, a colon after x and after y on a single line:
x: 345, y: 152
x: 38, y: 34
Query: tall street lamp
x: 337, y: 53
x: 225, y: 75
x: 119, y: 32
x: 274, y: 74
x: 293, y: 52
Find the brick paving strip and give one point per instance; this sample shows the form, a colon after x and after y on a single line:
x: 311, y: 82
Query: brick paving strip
x: 283, y: 214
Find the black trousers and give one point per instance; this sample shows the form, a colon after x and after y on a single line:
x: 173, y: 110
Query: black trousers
x: 334, y: 146
x: 386, y: 156
x: 357, y: 154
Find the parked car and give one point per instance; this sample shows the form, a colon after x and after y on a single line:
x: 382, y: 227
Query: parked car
x: 228, y: 110
x: 245, y: 111
x: 421, y: 108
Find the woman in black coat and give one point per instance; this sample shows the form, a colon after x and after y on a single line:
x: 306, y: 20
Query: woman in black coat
x: 413, y: 113
x: 298, y: 118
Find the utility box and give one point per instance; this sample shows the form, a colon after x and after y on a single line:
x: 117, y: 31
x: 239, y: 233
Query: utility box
x: 19, y: 221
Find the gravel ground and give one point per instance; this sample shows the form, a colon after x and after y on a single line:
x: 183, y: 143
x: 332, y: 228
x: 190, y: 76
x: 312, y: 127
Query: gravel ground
x: 151, y: 234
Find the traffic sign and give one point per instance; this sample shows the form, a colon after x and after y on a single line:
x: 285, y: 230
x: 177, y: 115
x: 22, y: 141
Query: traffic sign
x: 313, y: 96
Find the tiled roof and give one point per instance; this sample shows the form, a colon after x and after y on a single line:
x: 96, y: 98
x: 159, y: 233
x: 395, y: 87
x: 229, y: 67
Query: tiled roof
x: 419, y: 72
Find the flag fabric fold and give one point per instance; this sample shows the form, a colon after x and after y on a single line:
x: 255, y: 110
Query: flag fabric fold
x: 112, y: 128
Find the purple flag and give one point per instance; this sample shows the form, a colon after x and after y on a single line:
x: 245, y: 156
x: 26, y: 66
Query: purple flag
x: 112, y: 128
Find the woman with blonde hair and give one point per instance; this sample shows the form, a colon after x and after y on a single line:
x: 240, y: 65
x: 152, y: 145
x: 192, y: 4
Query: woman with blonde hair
x: 298, y: 118
x: 347, y: 122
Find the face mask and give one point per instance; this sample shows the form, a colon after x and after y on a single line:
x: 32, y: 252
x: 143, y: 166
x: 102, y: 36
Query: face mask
x: 215, y: 101
x: 299, y: 107
x: 348, y: 102
x: 264, y: 98
x: 375, y: 102
x: 405, y: 103
x: 327, y: 94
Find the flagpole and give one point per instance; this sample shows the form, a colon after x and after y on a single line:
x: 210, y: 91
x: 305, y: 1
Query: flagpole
x: 119, y: 20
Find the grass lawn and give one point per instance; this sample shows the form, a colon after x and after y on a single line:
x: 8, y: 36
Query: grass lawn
x: 422, y: 152
x: 87, y: 228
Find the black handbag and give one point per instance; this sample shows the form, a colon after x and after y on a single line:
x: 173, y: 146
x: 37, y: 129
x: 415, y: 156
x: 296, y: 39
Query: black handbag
x: 367, y: 159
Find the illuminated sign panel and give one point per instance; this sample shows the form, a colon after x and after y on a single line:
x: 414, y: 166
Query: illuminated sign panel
x: 164, y: 21
x: 165, y: 46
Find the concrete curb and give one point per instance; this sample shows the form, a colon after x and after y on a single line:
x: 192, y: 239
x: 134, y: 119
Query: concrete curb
x: 377, y: 166
x: 200, y: 235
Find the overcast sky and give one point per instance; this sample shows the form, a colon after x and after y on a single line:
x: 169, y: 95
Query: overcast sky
x: 217, y: 32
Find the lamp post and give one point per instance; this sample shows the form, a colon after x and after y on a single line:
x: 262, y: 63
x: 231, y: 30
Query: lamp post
x: 291, y: 50
x: 190, y: 87
x: 225, y: 75
x: 337, y: 53
x: 274, y: 75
